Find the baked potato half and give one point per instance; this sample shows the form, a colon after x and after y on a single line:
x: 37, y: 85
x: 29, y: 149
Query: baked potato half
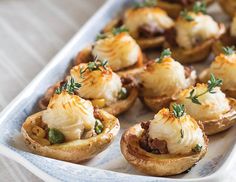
x: 208, y: 104
x: 160, y: 83
x: 121, y: 51
x: 124, y: 88
x: 73, y: 151
x: 165, y: 156
x: 145, y: 22
x: 196, y: 54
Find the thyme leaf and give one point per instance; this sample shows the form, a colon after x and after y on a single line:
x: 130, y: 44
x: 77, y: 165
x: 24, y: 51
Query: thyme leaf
x: 200, y: 7
x: 178, y: 110
x: 185, y: 14
x: 70, y: 86
x: 164, y: 53
x: 212, y: 83
x: 116, y: 31
x: 228, y: 50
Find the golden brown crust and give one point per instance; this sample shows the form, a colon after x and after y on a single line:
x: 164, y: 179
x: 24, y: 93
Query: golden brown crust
x: 226, y: 121
x: 74, y: 151
x: 158, y: 102
x: 173, y: 9
x: 155, y: 164
x: 204, y: 76
x: 196, y: 54
x: 85, y: 56
x: 229, y: 6
x: 115, y: 109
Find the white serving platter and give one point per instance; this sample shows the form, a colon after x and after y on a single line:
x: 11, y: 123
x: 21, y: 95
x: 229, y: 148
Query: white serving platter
x: 110, y: 164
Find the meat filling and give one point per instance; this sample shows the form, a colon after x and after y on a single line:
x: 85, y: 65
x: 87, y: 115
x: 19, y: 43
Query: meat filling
x: 152, y: 145
x: 148, y: 31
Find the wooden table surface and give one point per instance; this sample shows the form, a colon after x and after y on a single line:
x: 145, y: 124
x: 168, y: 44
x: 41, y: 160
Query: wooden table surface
x: 31, y: 33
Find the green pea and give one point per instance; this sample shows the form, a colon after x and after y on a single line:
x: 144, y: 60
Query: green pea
x: 55, y: 136
x: 123, y: 93
x: 98, y: 127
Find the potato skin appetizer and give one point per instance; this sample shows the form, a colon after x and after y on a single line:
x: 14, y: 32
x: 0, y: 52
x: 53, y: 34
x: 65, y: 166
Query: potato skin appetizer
x: 193, y: 36
x: 162, y: 80
x: 74, y: 135
x: 166, y: 145
x: 146, y: 23
x: 104, y: 88
x: 110, y: 46
x: 209, y: 105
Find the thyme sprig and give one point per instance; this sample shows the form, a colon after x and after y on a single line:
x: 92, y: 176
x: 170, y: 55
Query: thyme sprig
x: 228, y: 50
x: 118, y: 30
x: 212, y: 83
x: 146, y: 3
x: 94, y: 65
x: 178, y: 110
x: 185, y: 15
x: 115, y: 31
x: 70, y: 86
x: 200, y: 6
x: 164, y: 53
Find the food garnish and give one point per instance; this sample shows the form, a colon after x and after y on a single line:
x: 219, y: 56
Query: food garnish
x: 178, y: 110
x: 200, y: 7
x: 70, y: 86
x: 228, y: 50
x: 164, y: 53
x: 185, y: 14
x: 212, y: 83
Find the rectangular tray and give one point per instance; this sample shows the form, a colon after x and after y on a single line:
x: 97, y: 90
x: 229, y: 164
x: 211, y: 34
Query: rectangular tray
x: 110, y: 164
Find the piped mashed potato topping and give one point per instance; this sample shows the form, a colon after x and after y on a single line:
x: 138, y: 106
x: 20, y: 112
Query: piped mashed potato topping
x: 181, y: 134
x: 70, y: 114
x: 151, y: 16
x: 224, y: 67
x: 201, y: 28
x: 213, y: 105
x: 165, y: 78
x: 97, y: 84
x: 120, y: 50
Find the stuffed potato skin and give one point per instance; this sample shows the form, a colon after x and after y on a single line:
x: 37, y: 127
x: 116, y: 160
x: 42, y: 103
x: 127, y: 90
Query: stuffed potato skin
x: 74, y: 151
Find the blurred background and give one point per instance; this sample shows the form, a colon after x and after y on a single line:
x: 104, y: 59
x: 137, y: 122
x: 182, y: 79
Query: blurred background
x: 31, y: 33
